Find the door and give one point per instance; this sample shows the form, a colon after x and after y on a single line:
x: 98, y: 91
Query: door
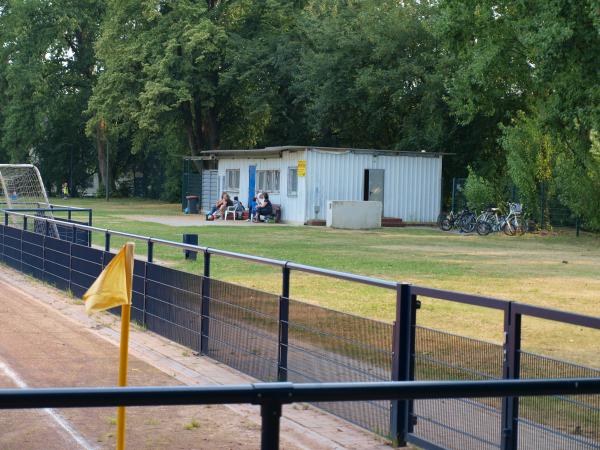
x: 251, y: 183
x: 373, y: 186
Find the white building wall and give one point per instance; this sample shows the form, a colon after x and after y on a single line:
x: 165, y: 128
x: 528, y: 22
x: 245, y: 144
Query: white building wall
x: 292, y: 208
x: 412, y: 184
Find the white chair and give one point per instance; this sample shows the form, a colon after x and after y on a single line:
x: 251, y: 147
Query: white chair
x: 230, y: 210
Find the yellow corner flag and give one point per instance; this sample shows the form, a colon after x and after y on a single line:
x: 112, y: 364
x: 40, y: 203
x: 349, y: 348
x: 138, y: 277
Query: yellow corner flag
x: 113, y: 288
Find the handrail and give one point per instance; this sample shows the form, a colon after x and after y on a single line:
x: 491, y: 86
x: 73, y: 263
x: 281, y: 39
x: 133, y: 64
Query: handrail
x: 386, y: 284
x: 271, y: 396
x: 287, y: 393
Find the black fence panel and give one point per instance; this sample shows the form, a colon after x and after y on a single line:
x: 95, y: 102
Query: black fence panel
x: 173, y: 301
x: 328, y: 346
x: 86, y: 265
x: 571, y: 422
x: 457, y: 423
x: 244, y: 329
x: 57, y: 266
x: 138, y: 304
x: 12, y: 247
x: 32, y: 255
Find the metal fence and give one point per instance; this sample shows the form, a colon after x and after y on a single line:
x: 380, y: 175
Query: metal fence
x: 276, y: 338
x: 271, y: 396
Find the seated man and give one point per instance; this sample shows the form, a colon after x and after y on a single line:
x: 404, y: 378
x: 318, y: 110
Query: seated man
x: 264, y: 209
x: 219, y: 209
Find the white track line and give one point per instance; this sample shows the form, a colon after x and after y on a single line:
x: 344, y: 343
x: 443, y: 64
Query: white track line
x: 51, y: 412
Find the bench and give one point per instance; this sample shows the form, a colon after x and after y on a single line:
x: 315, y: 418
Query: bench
x: 276, y: 213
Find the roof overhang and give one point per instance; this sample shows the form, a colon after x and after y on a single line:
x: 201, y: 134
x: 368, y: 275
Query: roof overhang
x: 276, y: 152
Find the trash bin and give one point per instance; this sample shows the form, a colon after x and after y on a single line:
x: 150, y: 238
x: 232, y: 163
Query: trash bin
x: 192, y: 204
x: 193, y: 240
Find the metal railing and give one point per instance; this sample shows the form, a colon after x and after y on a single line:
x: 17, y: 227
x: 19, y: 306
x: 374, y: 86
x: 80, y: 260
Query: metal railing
x: 271, y: 396
x: 407, y: 360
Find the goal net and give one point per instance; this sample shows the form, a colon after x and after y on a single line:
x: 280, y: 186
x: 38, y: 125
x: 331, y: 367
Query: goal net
x: 21, y: 187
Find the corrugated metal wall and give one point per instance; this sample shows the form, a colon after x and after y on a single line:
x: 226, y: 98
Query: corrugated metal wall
x: 412, y: 184
x: 292, y: 208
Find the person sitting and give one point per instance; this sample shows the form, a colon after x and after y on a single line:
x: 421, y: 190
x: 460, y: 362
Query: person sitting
x: 238, y: 207
x: 254, y: 203
x: 264, y: 209
x: 219, y: 209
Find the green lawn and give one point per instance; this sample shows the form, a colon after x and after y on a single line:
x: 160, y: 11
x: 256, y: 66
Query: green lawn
x: 557, y: 270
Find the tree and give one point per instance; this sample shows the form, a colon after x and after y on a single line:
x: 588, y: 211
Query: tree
x: 47, y: 80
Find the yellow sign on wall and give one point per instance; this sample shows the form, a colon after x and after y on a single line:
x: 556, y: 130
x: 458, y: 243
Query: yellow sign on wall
x: 302, y: 168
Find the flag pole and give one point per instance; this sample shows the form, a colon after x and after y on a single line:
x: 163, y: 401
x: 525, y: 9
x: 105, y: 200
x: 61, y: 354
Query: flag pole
x: 125, y: 318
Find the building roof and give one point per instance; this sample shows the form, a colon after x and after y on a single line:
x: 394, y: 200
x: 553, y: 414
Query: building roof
x: 275, y: 152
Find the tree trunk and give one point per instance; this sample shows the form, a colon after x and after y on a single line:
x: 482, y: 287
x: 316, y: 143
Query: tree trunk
x: 101, y: 147
x: 210, y: 131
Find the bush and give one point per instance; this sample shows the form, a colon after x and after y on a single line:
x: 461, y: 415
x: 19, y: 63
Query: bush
x: 479, y: 192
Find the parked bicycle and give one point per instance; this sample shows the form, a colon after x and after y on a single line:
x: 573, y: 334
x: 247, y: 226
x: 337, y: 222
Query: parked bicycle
x: 465, y: 221
x: 492, y: 221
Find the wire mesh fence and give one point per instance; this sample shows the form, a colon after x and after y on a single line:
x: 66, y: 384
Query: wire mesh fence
x: 457, y: 423
x: 273, y: 338
x: 327, y: 346
x: 566, y: 421
x: 243, y: 330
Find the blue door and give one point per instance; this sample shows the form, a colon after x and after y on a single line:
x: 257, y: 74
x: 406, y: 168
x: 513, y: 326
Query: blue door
x: 251, y: 183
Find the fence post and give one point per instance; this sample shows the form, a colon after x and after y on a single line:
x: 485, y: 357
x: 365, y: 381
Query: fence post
x: 5, y: 219
x: 511, y: 371
x: 24, y: 223
x: 270, y: 412
x: 401, y: 364
x: 150, y: 251
x: 107, y: 241
x: 284, y: 317
x: 74, y: 236
x: 205, y: 308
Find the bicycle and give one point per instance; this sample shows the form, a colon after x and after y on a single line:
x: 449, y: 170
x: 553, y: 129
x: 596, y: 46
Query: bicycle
x: 464, y: 220
x: 515, y: 223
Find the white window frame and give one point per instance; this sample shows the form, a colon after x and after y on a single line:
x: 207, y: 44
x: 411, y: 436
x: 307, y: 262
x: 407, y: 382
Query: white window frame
x: 268, y: 180
x: 228, y: 187
x: 290, y: 192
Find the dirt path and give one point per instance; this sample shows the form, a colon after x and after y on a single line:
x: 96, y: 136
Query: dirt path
x: 40, y: 348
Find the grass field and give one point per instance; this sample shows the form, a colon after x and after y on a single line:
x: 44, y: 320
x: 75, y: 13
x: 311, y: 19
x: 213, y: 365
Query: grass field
x: 558, y: 270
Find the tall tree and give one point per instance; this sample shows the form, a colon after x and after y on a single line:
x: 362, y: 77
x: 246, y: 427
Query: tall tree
x: 48, y: 78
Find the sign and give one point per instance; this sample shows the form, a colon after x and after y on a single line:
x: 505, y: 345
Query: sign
x: 302, y: 168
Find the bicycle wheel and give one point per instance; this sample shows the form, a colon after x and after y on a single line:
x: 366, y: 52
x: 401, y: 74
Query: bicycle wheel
x: 446, y: 225
x: 508, y: 228
x: 467, y: 225
x: 519, y: 226
x: 483, y: 228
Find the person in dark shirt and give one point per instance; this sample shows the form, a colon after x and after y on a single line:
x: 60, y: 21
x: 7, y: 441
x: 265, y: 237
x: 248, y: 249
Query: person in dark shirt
x: 264, y: 209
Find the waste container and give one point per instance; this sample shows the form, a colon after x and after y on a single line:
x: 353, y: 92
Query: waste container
x: 192, y: 204
x: 193, y: 240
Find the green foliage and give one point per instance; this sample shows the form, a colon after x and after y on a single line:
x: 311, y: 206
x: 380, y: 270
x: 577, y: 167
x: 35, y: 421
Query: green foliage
x: 530, y: 157
x: 508, y: 88
x: 480, y: 193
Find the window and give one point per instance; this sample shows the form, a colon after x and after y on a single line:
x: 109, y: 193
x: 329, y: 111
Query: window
x: 292, y: 182
x: 232, y: 180
x: 268, y: 180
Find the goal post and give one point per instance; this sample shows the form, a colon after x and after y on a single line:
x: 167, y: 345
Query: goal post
x: 22, y: 187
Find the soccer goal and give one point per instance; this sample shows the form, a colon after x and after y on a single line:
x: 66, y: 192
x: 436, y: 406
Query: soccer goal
x: 21, y: 187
